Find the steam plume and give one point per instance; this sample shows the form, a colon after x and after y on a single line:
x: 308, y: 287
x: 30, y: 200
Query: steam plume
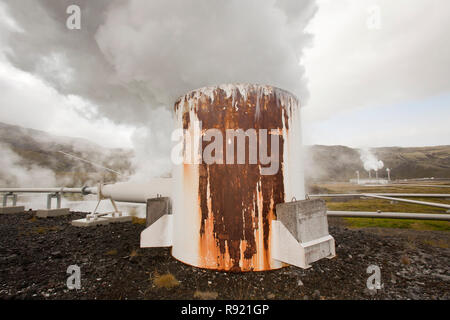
x: 15, y: 172
x: 132, y: 59
x: 370, y: 161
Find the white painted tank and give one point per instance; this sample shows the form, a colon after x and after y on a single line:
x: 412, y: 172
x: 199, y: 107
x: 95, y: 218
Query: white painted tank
x: 222, y: 213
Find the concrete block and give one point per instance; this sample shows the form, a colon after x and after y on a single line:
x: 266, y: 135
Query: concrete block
x: 300, y: 233
x: 10, y: 210
x: 103, y: 220
x: 117, y: 218
x: 306, y: 220
x: 285, y: 248
x: 156, y: 208
x: 90, y: 223
x: 45, y: 213
x: 159, y: 234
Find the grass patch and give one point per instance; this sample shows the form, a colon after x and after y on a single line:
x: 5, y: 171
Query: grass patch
x: 167, y: 281
x: 373, y: 205
x: 136, y: 220
x: 397, y: 223
x: 405, y: 260
x: 44, y: 230
x: 437, y: 243
x: 134, y: 253
x: 382, y: 205
x: 112, y: 252
x: 205, y: 295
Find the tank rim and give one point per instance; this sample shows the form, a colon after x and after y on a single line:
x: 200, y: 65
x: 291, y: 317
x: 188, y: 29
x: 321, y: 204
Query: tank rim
x: 236, y: 84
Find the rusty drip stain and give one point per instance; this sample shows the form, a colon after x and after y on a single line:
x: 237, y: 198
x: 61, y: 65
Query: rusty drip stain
x: 236, y: 202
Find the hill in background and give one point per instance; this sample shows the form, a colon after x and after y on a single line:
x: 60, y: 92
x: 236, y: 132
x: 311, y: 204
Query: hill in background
x: 32, y: 158
x: 339, y: 163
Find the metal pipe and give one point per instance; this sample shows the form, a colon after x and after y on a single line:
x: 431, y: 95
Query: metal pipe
x: 419, y: 185
x: 390, y: 215
x: 140, y: 192
x: 431, y: 204
x: 90, y: 162
x: 412, y: 195
x: 415, y: 195
x: 41, y: 190
x: 122, y: 191
x: 136, y: 192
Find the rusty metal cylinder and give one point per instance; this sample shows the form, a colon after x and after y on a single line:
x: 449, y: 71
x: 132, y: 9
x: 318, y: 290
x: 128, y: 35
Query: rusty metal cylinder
x: 223, y: 209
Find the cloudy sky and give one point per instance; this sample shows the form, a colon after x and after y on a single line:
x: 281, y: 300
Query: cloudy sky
x: 379, y: 86
x: 369, y: 73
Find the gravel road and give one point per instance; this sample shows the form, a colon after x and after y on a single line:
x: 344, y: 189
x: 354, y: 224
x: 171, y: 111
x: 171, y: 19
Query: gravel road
x: 35, y: 254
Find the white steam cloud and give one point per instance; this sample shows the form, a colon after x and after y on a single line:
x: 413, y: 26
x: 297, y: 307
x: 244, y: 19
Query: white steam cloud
x: 15, y: 172
x: 370, y: 161
x: 132, y: 59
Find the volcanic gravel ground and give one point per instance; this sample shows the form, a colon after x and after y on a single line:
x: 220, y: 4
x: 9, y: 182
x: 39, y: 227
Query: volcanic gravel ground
x: 35, y: 254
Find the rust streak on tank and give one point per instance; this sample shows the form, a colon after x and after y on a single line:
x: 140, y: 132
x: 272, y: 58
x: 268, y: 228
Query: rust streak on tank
x: 236, y: 202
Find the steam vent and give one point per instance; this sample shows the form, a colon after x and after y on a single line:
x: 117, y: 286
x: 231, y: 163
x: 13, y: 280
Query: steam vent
x: 223, y: 211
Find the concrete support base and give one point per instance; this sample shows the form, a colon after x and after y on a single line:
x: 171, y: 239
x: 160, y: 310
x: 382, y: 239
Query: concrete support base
x: 117, y: 218
x: 103, y: 220
x: 156, y: 208
x: 300, y: 233
x: 45, y: 213
x: 89, y: 223
x: 10, y: 210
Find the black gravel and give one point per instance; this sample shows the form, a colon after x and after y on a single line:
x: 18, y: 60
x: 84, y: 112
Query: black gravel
x: 35, y: 254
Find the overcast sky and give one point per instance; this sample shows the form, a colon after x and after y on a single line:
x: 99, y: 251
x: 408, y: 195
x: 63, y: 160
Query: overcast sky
x: 381, y: 86
x: 373, y: 73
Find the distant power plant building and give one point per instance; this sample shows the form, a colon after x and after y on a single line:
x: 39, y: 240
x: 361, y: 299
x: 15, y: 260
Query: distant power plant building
x: 371, y: 162
x: 370, y: 180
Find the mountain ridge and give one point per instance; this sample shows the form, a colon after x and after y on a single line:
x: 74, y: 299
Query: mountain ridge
x: 40, y: 149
